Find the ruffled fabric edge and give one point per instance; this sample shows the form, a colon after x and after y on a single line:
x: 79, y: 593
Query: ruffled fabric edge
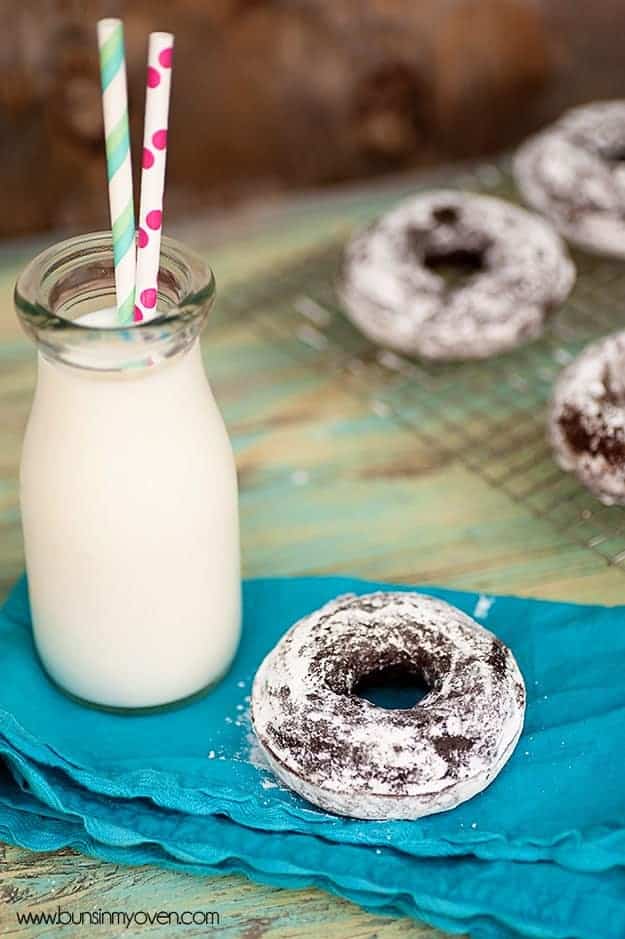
x: 25, y: 824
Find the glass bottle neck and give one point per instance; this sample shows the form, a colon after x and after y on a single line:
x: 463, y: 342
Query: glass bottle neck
x: 61, y: 295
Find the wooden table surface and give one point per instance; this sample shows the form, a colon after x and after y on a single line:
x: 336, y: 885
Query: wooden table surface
x: 330, y: 482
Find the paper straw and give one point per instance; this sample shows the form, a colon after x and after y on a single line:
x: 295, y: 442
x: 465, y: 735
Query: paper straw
x: 119, y: 169
x: 160, y: 55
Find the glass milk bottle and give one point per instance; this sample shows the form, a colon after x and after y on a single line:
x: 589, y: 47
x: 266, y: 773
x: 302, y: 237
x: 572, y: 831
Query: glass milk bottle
x: 128, y: 485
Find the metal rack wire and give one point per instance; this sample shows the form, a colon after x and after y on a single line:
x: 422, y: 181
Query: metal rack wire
x: 490, y: 415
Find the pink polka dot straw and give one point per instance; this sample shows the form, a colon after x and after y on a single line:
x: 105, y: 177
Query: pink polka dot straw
x: 160, y: 59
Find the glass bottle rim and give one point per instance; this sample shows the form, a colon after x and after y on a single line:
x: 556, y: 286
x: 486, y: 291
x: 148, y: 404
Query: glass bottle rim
x: 32, y: 294
x: 77, y: 276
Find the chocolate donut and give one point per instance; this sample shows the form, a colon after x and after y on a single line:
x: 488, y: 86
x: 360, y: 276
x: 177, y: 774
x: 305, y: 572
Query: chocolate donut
x: 450, y: 275
x: 574, y: 173
x: 349, y: 756
x: 587, y: 418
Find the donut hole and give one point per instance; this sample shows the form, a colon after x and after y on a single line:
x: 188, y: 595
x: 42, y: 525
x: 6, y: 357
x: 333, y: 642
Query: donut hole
x: 446, y: 214
x: 393, y: 687
x: 455, y: 266
x: 614, y: 153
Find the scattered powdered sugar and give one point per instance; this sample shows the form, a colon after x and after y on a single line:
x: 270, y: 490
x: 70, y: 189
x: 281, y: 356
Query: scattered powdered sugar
x: 255, y: 753
x: 256, y: 756
x: 482, y: 607
x: 240, y: 745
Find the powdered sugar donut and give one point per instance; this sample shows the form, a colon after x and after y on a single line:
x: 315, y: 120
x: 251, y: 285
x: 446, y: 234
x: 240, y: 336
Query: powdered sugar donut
x: 574, y: 173
x: 587, y: 419
x: 351, y: 757
x: 514, y: 266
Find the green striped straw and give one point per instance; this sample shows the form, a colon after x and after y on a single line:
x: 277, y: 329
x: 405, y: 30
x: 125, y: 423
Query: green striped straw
x: 119, y: 168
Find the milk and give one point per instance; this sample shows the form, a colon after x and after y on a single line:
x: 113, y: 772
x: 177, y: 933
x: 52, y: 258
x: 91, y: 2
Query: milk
x: 130, y: 518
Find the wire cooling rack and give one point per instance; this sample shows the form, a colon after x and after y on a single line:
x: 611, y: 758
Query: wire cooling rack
x: 491, y: 414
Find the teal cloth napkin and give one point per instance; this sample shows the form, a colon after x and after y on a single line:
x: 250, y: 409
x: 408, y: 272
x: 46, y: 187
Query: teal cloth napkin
x: 540, y: 853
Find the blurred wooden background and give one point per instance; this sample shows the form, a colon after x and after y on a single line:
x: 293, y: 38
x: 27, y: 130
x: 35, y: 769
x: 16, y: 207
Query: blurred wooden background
x: 275, y: 94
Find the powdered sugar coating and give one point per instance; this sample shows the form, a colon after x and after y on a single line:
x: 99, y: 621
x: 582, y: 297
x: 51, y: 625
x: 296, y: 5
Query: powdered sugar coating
x: 348, y: 756
x: 391, y: 294
x: 573, y: 172
x: 587, y: 418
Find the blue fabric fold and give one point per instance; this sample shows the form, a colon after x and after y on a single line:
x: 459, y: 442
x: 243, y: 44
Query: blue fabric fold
x: 540, y: 853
